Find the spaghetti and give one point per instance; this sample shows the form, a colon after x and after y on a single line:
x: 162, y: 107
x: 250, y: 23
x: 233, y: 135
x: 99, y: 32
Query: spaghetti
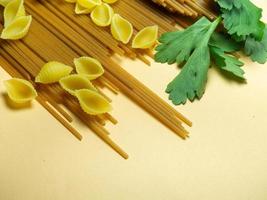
x: 57, y: 33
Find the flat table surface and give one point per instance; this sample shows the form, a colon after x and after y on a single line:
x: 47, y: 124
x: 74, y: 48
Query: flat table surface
x: 225, y: 157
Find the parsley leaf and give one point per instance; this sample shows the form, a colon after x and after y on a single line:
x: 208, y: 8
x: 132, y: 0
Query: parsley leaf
x: 227, y: 63
x: 224, y: 42
x: 177, y: 46
x: 190, y: 46
x: 220, y: 45
x: 195, y: 46
x: 241, y: 17
x: 191, y: 81
x: 229, y: 4
x: 257, y: 50
x: 242, y: 20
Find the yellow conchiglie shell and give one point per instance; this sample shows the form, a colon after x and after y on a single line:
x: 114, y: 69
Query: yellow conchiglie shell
x: 17, y: 29
x: 19, y: 90
x: 102, y: 15
x: 52, y: 72
x: 145, y: 38
x: 4, y: 2
x: 75, y: 82
x: 71, y: 1
x: 13, y: 10
x: 121, y: 29
x: 89, y: 3
x: 81, y: 10
x: 92, y: 102
x: 90, y: 67
x: 110, y: 1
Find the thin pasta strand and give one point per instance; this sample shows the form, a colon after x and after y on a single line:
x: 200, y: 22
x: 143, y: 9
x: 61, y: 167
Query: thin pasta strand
x: 59, y: 118
x: 96, y: 128
x: 94, y: 48
x: 76, y: 36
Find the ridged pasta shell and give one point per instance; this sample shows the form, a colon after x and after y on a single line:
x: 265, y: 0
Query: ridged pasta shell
x: 88, y: 66
x: 17, y: 29
x: 121, y: 29
x: 52, y: 72
x: 71, y: 1
x: 89, y: 3
x: 145, y: 38
x: 75, y: 82
x: 92, y: 102
x: 12, y: 11
x: 110, y: 1
x: 81, y: 10
x: 4, y: 2
x: 20, y: 90
x: 102, y: 15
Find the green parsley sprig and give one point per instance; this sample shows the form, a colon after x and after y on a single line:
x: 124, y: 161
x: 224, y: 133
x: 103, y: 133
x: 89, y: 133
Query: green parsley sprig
x: 197, y: 46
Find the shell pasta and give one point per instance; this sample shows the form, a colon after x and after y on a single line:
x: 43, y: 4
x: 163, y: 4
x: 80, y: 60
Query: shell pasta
x: 102, y: 15
x: 81, y: 10
x: 90, y: 4
x: 121, y: 29
x: 145, y: 38
x: 110, y: 1
x: 13, y: 10
x: 78, y: 85
x: 17, y: 29
x: 92, y: 102
x: 52, y: 72
x: 16, y: 23
x: 20, y: 90
x: 4, y: 2
x: 89, y: 67
x: 75, y: 82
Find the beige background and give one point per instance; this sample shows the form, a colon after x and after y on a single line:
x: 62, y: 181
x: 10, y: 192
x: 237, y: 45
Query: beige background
x: 224, y: 159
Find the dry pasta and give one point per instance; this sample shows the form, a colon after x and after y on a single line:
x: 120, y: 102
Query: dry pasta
x: 88, y: 66
x: 13, y: 10
x: 190, y: 8
x: 75, y: 82
x: 102, y: 15
x: 71, y: 1
x: 56, y: 24
x: 52, y: 72
x: 20, y: 90
x: 17, y: 29
x: 92, y: 102
x: 81, y: 10
x: 110, y: 1
x: 4, y: 2
x: 121, y: 29
x: 145, y: 38
x: 89, y: 3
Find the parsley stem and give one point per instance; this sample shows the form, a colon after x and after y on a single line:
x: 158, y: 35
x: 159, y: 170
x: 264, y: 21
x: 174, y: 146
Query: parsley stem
x: 212, y: 28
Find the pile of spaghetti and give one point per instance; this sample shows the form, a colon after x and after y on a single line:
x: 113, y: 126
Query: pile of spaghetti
x: 54, y: 32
